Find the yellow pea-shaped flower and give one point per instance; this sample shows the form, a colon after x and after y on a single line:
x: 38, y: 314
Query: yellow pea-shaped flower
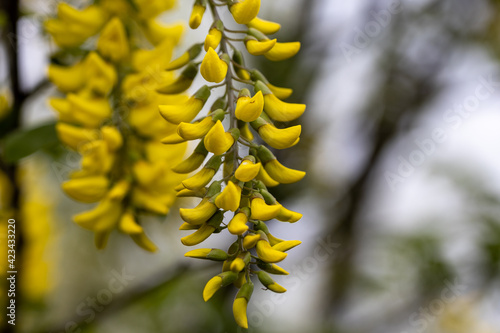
x: 283, y: 51
x: 238, y: 224
x: 264, y: 26
x: 282, y: 174
x: 262, y: 211
x: 280, y: 138
x: 217, y: 140
x: 88, y: 189
x: 229, y: 198
x: 249, y: 108
x: 213, y: 68
x: 257, y: 48
x: 247, y: 171
x: 244, y: 11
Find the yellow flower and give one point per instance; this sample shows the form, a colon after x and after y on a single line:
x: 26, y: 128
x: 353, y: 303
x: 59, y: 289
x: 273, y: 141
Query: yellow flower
x: 101, y: 76
x: 245, y: 131
x: 247, y: 170
x: 282, y: 111
x: 195, y: 131
x: 187, y: 56
x: 279, y: 92
x: 152, y: 202
x: 89, y: 112
x: 267, y: 253
x: 188, y: 110
x: 101, y: 219
x: 283, y: 174
x: 238, y: 224
x: 213, y: 69
x: 143, y: 241
x: 229, y: 198
x: 97, y: 158
x: 69, y: 78
x: 237, y: 265
x: 156, y: 32
x: 128, y: 224
x: 217, y: 282
x: 258, y: 48
x: 193, y: 162
x: 119, y: 190
x: 262, y: 211
x: 75, y: 137
x: 286, y: 245
x: 196, y: 15
x: 249, y: 109
x: 152, y: 8
x: 287, y: 215
x: 245, y: 11
x: 213, y: 39
x: 240, y: 304
x: 201, y: 178
x: 218, y: 141
x: 283, y: 51
x: 266, y: 27
x: 204, y: 231
x: 113, y: 42
x: 112, y: 136
x: 280, y: 138
x: 88, y: 190
x: 264, y: 177
x: 200, y: 214
x: 211, y: 254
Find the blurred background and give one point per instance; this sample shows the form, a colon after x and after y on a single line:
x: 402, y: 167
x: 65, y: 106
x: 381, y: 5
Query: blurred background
x: 401, y: 227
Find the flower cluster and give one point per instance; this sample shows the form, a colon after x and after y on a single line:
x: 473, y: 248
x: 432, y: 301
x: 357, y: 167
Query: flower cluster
x: 228, y: 142
x: 111, y: 70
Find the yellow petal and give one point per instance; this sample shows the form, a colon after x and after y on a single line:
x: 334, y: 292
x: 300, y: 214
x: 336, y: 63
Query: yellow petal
x: 262, y: 211
x: 249, y: 109
x: 212, y: 68
x: 156, y: 32
x: 218, y: 141
x: 240, y: 311
x: 276, y: 288
x: 258, y: 48
x: 230, y: 197
x: 287, y: 215
x: 213, y: 39
x: 144, y: 199
x: 200, y: 214
x: 283, y: 174
x: 282, y: 111
x: 238, y: 224
x: 87, y: 190
x: 128, y: 224
x: 246, y: 133
x: 192, y: 163
x: 112, y: 136
x: 283, y: 51
x: 245, y: 11
x: 247, y: 171
x: 237, y: 265
x: 113, y: 42
x: 196, y: 16
x: 67, y: 78
x: 195, y: 131
x: 198, y: 236
x: 75, y: 137
x: 268, y: 254
x: 199, y: 180
x: 184, y: 112
x: 266, y: 179
x: 266, y: 27
x: 89, y: 112
x: 286, y: 245
x: 102, y: 218
x: 143, y: 241
x: 198, y: 253
x: 281, y: 93
x: 101, y: 76
x: 250, y: 240
x: 280, y: 138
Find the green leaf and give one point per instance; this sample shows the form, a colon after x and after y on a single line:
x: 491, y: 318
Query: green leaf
x: 23, y: 143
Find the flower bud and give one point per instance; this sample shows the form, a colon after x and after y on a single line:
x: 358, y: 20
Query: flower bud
x: 182, y: 83
x: 194, y: 161
x: 205, y: 230
x: 266, y: 27
x: 241, y: 302
x: 200, y: 214
x: 87, y: 190
x: 197, y: 14
x: 186, y: 57
x: 188, y: 110
x: 210, y: 254
x: 217, y: 282
x: 271, y: 268
x: 269, y: 283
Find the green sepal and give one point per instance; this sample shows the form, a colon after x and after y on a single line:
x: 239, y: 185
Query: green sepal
x: 245, y: 291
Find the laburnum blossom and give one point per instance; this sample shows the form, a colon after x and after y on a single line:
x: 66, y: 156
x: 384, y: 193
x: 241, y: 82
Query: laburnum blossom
x: 239, y: 199
x: 108, y: 111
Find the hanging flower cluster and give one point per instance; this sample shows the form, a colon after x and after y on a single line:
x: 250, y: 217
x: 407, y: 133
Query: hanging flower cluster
x: 228, y: 142
x: 116, y: 55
